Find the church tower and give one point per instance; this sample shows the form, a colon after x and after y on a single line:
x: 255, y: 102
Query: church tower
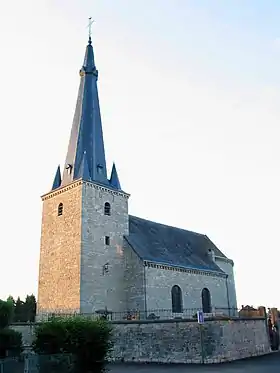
x: 85, y: 217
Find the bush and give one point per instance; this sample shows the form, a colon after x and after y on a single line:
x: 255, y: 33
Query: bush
x: 10, y: 343
x: 89, y: 341
x: 61, y: 363
x: 6, y: 313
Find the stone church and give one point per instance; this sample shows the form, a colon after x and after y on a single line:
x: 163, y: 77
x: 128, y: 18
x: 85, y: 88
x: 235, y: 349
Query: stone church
x: 95, y: 256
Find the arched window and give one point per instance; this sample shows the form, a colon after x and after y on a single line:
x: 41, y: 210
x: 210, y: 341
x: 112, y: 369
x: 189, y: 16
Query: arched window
x: 107, y: 209
x: 206, y: 301
x: 60, y: 209
x: 177, y: 303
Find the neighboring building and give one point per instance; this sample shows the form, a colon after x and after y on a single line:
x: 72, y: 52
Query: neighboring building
x: 94, y: 256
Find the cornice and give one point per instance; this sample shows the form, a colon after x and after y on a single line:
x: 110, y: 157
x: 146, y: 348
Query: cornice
x: 79, y: 182
x: 106, y: 189
x: 188, y: 270
x: 62, y: 189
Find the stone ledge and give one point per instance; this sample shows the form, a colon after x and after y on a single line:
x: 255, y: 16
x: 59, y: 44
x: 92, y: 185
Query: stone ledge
x: 163, y: 321
x: 60, y: 190
x: 78, y: 182
x: 169, y: 267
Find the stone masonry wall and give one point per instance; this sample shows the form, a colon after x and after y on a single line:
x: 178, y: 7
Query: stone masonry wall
x: 227, y: 266
x: 74, y: 252
x: 59, y: 269
x: 134, y: 279
x: 183, y: 341
x: 160, y: 281
x: 103, y: 289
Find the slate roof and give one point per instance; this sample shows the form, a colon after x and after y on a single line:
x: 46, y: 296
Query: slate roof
x: 86, y: 154
x: 164, y: 244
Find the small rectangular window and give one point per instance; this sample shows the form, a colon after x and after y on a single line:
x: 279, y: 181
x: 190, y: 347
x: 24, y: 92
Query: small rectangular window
x: 107, y: 209
x: 60, y: 209
x: 107, y: 240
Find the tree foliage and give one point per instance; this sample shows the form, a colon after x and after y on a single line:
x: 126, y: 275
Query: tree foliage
x: 19, y: 311
x: 87, y: 341
x: 13, y: 311
x: 23, y: 311
x: 6, y: 312
x: 30, y: 308
x: 10, y: 342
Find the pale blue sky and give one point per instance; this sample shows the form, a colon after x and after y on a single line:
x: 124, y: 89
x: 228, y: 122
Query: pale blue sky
x: 189, y: 93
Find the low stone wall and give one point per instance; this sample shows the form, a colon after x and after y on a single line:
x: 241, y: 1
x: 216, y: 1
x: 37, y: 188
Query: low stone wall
x: 183, y: 341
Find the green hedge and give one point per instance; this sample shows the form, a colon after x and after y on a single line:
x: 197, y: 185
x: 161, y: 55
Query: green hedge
x: 10, y: 343
x: 60, y: 363
x: 88, y: 341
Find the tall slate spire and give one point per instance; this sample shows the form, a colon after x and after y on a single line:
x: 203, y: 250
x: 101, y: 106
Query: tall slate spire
x: 86, y: 154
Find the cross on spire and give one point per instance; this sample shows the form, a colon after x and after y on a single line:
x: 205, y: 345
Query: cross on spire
x: 90, y: 22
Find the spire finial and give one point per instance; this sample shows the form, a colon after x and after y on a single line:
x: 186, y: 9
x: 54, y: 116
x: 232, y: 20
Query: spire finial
x: 90, y: 22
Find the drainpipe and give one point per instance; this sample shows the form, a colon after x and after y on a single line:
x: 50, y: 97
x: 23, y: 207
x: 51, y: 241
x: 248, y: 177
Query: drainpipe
x: 145, y: 291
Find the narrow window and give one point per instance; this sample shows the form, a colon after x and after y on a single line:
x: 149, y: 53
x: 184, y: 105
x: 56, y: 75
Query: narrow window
x: 107, y: 209
x: 60, y: 209
x: 107, y: 240
x: 206, y: 300
x: 177, y: 302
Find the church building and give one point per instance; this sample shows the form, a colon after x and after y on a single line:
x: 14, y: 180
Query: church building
x: 94, y: 256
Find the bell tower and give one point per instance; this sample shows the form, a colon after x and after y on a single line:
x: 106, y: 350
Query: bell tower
x: 85, y: 216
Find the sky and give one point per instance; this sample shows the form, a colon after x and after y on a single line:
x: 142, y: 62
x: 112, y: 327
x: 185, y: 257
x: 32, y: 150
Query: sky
x: 189, y: 93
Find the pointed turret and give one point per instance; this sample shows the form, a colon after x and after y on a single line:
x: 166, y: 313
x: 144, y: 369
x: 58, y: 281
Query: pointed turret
x: 114, y: 179
x: 86, y: 143
x: 57, y: 179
